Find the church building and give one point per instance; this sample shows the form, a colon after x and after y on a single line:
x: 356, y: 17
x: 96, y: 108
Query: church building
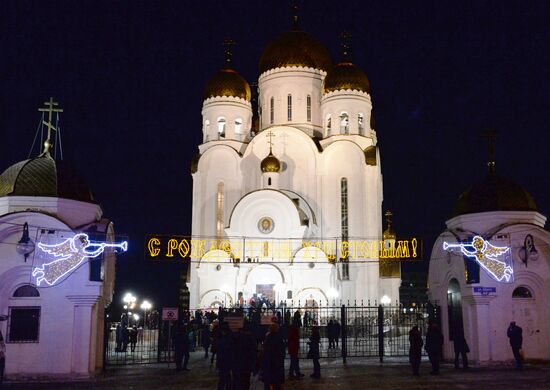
x: 287, y: 176
x: 55, y: 280
x: 491, y: 267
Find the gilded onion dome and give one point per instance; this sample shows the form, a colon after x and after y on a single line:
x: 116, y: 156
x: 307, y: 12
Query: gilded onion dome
x: 346, y: 76
x: 270, y: 163
x: 227, y: 82
x: 295, y: 48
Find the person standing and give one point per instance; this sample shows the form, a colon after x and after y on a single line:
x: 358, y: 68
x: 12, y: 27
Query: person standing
x: 248, y: 356
x: 205, y: 340
x: 181, y: 347
x: 273, y: 360
x: 461, y: 349
x: 415, y: 349
x: 313, y: 353
x: 2, y: 358
x: 330, y: 334
x: 225, y: 357
x: 434, y: 347
x: 132, y: 337
x: 515, y: 334
x: 293, y: 350
x: 337, y: 331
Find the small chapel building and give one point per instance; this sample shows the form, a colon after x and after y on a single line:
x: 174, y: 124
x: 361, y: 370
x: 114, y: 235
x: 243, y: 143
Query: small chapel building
x: 287, y: 176
x: 491, y: 266
x: 52, y: 296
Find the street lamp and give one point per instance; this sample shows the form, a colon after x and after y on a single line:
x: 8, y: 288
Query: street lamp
x: 528, y: 251
x: 145, y: 305
x: 25, y: 246
x: 130, y: 302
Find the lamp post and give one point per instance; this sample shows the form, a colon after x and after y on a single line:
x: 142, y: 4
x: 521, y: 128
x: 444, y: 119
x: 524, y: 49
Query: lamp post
x: 145, y: 305
x: 25, y: 246
x: 130, y: 302
x: 528, y: 251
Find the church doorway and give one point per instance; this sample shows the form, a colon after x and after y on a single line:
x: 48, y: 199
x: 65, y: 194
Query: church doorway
x: 264, y: 282
x: 454, y: 307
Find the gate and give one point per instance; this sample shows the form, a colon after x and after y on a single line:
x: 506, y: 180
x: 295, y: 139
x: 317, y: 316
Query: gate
x: 132, y: 344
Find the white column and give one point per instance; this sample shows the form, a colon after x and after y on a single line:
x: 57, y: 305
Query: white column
x: 81, y: 348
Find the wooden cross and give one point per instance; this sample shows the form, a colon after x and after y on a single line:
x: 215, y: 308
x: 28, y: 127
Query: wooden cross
x: 490, y: 135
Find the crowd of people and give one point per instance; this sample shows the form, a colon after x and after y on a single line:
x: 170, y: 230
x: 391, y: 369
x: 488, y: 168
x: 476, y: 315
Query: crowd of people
x: 244, y: 352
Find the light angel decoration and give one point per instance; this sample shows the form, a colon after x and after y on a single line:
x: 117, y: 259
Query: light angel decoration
x: 70, y: 254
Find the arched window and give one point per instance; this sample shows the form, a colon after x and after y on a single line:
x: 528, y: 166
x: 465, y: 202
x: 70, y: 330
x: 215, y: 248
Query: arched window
x: 361, y: 124
x: 329, y: 125
x: 308, y: 108
x: 289, y: 108
x: 344, y: 223
x: 268, y: 181
x: 221, y: 127
x: 220, y: 205
x: 206, y: 130
x: 522, y: 292
x: 271, y: 110
x: 26, y: 291
x: 344, y: 123
x: 238, y: 126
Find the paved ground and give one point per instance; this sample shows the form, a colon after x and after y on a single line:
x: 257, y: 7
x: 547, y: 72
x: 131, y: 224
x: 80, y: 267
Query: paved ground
x: 357, y: 374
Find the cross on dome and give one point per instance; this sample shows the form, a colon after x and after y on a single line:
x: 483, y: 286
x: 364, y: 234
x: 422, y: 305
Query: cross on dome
x: 491, y: 136
x: 50, y: 109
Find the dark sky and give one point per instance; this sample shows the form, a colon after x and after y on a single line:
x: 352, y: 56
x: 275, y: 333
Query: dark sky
x: 130, y: 76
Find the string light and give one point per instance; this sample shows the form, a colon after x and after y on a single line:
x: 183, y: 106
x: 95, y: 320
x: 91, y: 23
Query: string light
x: 71, y: 253
x: 485, y: 254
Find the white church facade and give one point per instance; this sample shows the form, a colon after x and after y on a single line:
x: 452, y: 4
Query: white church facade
x: 303, y: 169
x: 491, y: 266
x: 52, y: 296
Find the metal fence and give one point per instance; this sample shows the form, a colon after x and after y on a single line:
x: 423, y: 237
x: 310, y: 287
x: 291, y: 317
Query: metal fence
x: 346, y: 331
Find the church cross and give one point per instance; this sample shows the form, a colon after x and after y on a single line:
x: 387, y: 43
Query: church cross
x: 50, y: 109
x: 490, y: 135
x: 228, y: 44
x: 270, y: 142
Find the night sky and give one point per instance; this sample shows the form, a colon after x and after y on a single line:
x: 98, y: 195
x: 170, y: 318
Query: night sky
x: 130, y: 77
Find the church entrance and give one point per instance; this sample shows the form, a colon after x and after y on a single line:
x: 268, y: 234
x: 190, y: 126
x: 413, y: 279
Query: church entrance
x: 266, y: 291
x: 454, y: 306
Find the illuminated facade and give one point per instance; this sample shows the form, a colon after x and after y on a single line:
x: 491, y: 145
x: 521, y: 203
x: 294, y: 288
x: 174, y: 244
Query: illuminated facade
x: 491, y: 266
x: 52, y: 312
x: 303, y: 168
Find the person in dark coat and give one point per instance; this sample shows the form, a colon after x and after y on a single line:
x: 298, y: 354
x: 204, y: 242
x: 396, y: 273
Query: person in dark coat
x: 461, y: 349
x: 181, y: 347
x: 273, y: 359
x: 206, y: 340
x: 330, y: 334
x: 314, y: 353
x: 293, y: 350
x: 434, y: 347
x: 245, y: 365
x: 415, y: 349
x: 132, y: 337
x: 225, y: 357
x: 215, y: 335
x: 297, y: 318
x: 337, y: 331
x: 515, y: 334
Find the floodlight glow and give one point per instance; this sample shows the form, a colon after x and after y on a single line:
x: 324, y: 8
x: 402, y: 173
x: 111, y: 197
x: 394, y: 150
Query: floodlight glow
x: 385, y: 300
x: 332, y: 293
x: 72, y: 253
x: 485, y: 254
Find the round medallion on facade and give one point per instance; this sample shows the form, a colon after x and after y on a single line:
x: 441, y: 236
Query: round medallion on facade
x: 266, y: 225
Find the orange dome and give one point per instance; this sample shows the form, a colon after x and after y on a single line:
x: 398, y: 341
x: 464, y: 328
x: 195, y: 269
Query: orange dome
x: 295, y: 48
x: 227, y: 82
x: 344, y: 76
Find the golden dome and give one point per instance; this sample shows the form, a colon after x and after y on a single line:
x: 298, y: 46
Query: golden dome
x: 344, y: 76
x: 270, y: 164
x: 295, y: 48
x: 228, y: 82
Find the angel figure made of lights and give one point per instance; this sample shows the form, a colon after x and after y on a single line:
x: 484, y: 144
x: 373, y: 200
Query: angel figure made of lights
x: 486, y: 255
x: 70, y: 253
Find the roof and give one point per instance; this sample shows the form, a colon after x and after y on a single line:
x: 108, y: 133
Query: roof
x: 346, y: 76
x: 227, y: 82
x: 295, y: 48
x: 494, y: 193
x: 44, y: 176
